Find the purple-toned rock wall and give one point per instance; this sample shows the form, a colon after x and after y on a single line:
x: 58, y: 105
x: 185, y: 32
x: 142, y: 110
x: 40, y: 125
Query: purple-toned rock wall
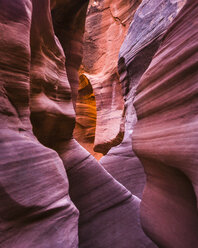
x: 165, y: 137
x: 53, y: 192
x: 139, y: 109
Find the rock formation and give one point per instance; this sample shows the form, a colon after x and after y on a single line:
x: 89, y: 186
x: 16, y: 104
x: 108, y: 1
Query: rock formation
x: 165, y: 138
x: 36, y: 209
x: 142, y: 41
x: 54, y: 193
x: 109, y: 213
x: 106, y: 26
x: 86, y: 115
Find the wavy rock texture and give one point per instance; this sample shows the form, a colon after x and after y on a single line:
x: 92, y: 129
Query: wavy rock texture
x: 100, y: 199
x: 69, y: 21
x: 106, y: 26
x: 37, y: 210
x: 86, y: 114
x: 165, y: 137
x: 142, y: 41
x: 53, y: 193
x: 109, y: 213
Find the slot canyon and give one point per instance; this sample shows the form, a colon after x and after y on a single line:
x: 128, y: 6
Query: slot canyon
x: 99, y: 124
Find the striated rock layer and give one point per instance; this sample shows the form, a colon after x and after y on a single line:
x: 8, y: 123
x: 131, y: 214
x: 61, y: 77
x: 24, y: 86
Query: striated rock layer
x: 165, y: 137
x: 53, y: 192
x: 106, y: 26
x: 36, y: 209
x: 109, y: 213
x: 86, y: 115
x: 150, y: 21
x: 69, y: 20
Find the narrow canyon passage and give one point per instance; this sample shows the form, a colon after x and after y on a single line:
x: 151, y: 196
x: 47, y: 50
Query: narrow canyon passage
x: 99, y: 122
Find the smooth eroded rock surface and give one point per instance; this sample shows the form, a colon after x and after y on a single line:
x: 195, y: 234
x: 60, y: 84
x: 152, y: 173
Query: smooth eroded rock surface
x: 165, y: 137
x: 106, y: 26
x: 109, y: 213
x: 54, y: 193
x: 150, y: 21
x: 35, y: 209
x: 86, y: 115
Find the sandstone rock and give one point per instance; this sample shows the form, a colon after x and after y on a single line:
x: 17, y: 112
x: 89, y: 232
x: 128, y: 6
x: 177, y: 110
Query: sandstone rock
x: 165, y: 137
x: 106, y: 26
x: 109, y: 214
x: 44, y: 171
x: 125, y: 167
x: 35, y: 209
x: 142, y: 41
x: 85, y: 127
x: 69, y: 21
x: 95, y: 193
x: 52, y: 113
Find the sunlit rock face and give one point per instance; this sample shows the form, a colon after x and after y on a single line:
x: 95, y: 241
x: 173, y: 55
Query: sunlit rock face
x: 165, y: 137
x: 142, y: 41
x: 86, y: 114
x: 106, y: 26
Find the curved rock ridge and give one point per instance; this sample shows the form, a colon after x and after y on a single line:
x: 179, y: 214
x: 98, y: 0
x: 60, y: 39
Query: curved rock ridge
x: 150, y: 21
x: 98, y: 197
x: 106, y: 26
x: 165, y: 137
x: 35, y: 209
x: 69, y: 23
x: 109, y: 213
x: 85, y: 127
x: 52, y: 113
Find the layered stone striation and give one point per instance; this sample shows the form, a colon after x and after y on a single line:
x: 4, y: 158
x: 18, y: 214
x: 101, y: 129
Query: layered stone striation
x: 53, y: 192
x: 86, y: 115
x: 106, y: 26
x: 38, y: 166
x: 165, y: 137
x: 69, y: 20
x: 35, y: 210
x: 150, y: 21
x: 109, y: 213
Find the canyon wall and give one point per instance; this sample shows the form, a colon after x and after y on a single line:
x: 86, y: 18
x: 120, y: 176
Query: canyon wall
x: 106, y: 25
x: 165, y: 137
x: 150, y: 21
x: 53, y: 192
x: 35, y: 209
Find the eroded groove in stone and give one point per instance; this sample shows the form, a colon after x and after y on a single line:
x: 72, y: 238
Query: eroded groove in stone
x: 165, y: 138
x: 141, y: 43
x: 35, y: 209
x: 54, y: 193
x: 86, y: 115
x: 103, y: 37
x: 109, y: 214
